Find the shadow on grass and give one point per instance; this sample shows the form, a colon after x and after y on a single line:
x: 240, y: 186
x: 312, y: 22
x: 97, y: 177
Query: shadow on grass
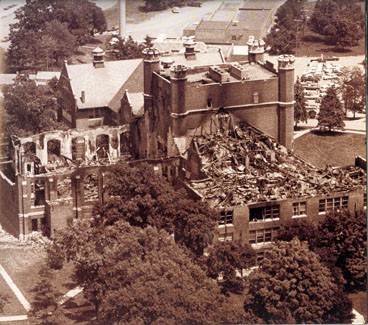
x: 353, y: 118
x: 327, y: 133
x: 310, y: 38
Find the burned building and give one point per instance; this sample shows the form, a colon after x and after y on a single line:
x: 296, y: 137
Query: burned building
x: 222, y: 130
x: 259, y: 185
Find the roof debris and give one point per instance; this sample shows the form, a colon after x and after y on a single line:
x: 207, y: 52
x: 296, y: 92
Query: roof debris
x: 245, y: 166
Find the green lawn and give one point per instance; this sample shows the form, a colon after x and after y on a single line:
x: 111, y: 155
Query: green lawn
x: 335, y: 149
x: 13, y: 306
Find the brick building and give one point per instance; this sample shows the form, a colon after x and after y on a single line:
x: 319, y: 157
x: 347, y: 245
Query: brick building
x: 234, y: 21
x: 174, y: 111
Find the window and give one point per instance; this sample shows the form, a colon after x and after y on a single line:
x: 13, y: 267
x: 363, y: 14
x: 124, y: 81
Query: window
x: 263, y: 235
x: 333, y: 204
x: 233, y: 37
x: 209, y: 102
x: 267, y: 213
x: 34, y: 224
x: 226, y: 217
x: 299, y: 209
x: 255, y: 98
x: 225, y: 237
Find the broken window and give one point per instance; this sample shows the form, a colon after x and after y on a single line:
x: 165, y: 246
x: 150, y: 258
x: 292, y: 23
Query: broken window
x: 38, y: 193
x: 78, y: 148
x: 263, y: 235
x: 333, y: 204
x: 64, y: 188
x: 102, y: 144
x: 299, y: 209
x: 226, y: 217
x: 53, y: 150
x: 225, y: 237
x: 34, y: 224
x: 29, y: 147
x: 266, y: 213
x: 91, y: 187
x: 124, y: 144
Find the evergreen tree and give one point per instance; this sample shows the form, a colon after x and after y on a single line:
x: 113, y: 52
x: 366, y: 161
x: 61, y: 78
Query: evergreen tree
x: 331, y: 115
x: 293, y: 287
x: 300, y: 111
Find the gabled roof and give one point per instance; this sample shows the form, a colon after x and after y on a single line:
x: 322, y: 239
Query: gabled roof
x: 104, y: 86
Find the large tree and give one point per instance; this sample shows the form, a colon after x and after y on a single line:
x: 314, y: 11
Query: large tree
x: 342, y: 22
x: 289, y: 22
x: 30, y: 108
x: 331, y: 115
x: 140, y: 276
x: 142, y: 198
x: 343, y: 236
x: 300, y: 111
x: 293, y: 287
x: 352, y: 89
x: 226, y: 259
x: 49, y: 31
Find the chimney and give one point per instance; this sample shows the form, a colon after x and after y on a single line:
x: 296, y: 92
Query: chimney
x: 83, y: 96
x: 98, y: 57
x: 189, y: 50
x: 167, y: 62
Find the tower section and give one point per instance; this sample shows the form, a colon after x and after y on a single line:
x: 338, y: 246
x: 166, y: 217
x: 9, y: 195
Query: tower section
x: 286, y: 99
x: 151, y: 64
x: 178, y: 77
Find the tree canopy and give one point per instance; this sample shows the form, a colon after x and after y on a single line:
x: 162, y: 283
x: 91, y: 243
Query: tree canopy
x: 292, y: 286
x: 30, y: 108
x: 300, y: 111
x: 142, y: 198
x: 225, y: 259
x: 331, y: 115
x: 352, y: 89
x: 128, y: 48
x: 289, y: 19
x: 342, y: 22
x: 139, y: 276
x: 156, y: 5
x: 48, y: 31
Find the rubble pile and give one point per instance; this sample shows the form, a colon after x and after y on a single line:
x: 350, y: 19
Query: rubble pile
x: 64, y: 188
x: 245, y: 166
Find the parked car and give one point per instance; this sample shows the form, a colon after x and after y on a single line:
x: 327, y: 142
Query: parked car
x: 175, y: 10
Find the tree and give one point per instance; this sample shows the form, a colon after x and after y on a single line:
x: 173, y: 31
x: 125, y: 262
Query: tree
x: 292, y: 286
x: 128, y: 49
x: 30, y: 108
x: 142, y: 198
x: 344, y: 236
x: 51, y: 30
x: 156, y: 5
x: 284, y: 33
x: 227, y: 258
x: 139, y: 276
x: 331, y: 115
x: 44, y: 307
x: 341, y: 22
x: 300, y: 111
x: 352, y: 89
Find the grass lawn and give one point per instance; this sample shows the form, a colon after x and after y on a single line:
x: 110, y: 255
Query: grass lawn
x: 13, y: 306
x: 312, y: 44
x: 359, y: 300
x: 335, y: 149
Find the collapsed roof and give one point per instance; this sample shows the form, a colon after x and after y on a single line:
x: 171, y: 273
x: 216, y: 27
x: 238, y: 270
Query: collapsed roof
x: 244, y: 166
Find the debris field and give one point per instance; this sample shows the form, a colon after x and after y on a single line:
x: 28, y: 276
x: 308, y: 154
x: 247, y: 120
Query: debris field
x: 244, y: 166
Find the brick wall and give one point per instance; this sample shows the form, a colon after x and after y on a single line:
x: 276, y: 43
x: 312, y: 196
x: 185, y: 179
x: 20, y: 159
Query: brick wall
x: 9, y: 219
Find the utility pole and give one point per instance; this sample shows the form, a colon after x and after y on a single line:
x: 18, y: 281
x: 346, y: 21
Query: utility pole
x: 297, y: 35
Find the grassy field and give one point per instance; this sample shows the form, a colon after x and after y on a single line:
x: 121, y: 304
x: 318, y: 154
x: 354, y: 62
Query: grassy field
x: 312, y: 44
x: 335, y: 149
